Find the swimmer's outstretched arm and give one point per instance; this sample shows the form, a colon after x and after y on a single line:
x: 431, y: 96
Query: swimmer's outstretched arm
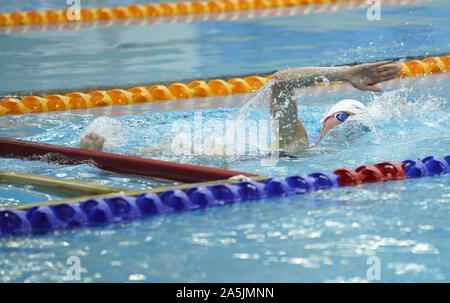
x: 283, y: 107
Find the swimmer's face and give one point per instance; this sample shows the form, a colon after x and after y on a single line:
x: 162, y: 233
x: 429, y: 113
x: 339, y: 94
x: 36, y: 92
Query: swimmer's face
x: 332, y: 122
x: 352, y: 127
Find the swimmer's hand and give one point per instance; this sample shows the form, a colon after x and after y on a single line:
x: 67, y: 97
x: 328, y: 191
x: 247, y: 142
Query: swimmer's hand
x: 366, y: 76
x: 92, y: 141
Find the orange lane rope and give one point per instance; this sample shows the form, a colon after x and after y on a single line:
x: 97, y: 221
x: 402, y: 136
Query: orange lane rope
x: 195, y: 89
x: 232, y: 15
x: 148, y: 10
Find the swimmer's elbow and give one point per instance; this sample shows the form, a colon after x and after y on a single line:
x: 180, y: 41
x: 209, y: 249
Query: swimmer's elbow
x: 289, y: 79
x: 280, y: 78
x: 296, y: 146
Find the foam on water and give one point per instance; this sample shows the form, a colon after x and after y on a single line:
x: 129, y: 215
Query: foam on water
x: 110, y: 129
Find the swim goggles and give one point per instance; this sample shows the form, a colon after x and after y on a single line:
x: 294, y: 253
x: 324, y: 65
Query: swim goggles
x: 340, y: 116
x: 343, y: 117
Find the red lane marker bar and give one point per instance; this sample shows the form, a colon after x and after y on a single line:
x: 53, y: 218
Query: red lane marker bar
x: 14, y: 148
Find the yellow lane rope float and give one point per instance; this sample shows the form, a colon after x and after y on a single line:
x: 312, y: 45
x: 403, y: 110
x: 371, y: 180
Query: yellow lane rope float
x: 60, y: 184
x: 149, y: 10
x: 232, y: 15
x: 195, y: 89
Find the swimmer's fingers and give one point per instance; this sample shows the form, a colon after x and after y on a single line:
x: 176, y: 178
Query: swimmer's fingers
x: 370, y: 68
x: 100, y: 142
x: 391, y: 70
x: 366, y: 76
x: 386, y: 74
x: 92, y: 141
x: 383, y: 69
x: 379, y: 79
x: 86, y: 143
x: 389, y: 67
x: 377, y: 64
x: 93, y: 136
x: 368, y: 86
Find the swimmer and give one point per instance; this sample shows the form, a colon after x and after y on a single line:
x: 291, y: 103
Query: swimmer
x: 345, y: 110
x: 292, y: 134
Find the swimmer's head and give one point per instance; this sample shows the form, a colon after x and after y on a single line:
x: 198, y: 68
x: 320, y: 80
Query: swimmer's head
x: 342, y: 112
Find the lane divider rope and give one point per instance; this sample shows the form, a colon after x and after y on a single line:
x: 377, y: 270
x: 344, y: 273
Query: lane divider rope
x: 195, y: 89
x: 329, y: 7
x: 150, y: 10
x: 95, y: 212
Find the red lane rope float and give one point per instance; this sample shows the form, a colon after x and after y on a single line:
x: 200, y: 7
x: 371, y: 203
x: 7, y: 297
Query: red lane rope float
x: 14, y: 148
x: 195, y: 89
x: 217, y: 13
x: 379, y: 172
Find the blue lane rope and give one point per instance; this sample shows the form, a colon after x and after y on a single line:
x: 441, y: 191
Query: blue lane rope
x: 96, y: 212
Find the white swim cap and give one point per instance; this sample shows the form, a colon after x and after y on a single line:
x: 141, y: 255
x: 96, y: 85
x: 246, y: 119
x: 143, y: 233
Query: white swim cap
x: 346, y: 105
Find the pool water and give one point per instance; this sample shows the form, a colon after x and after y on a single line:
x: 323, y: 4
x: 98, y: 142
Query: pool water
x: 325, y: 236
x: 120, y: 55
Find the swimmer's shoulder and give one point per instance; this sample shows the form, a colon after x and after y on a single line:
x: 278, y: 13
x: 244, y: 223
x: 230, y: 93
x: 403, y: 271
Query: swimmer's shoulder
x: 283, y: 154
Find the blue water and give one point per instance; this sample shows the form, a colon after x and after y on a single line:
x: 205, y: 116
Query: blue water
x: 317, y: 237
x: 128, y: 55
